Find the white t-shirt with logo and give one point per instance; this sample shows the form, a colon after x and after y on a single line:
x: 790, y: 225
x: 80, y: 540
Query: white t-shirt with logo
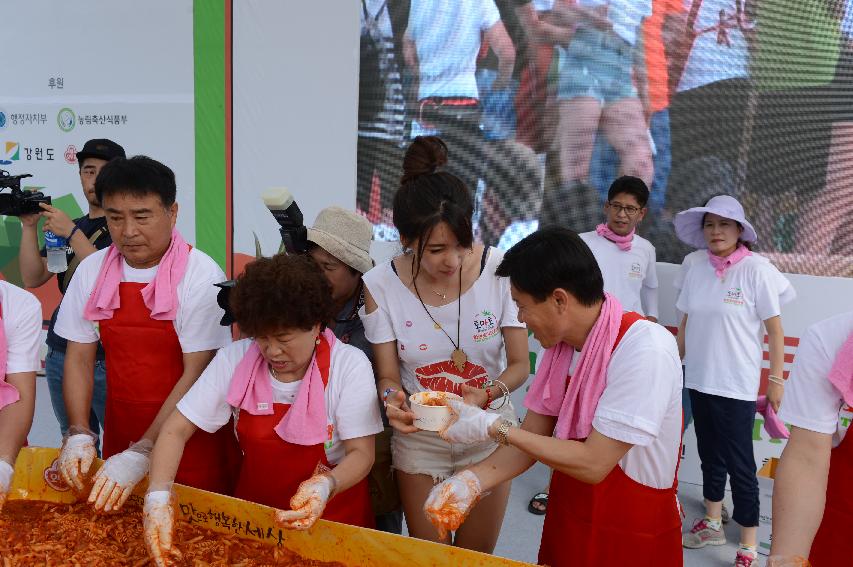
x: 725, y: 325
x: 641, y: 403
x: 630, y: 275
x: 811, y: 401
x: 352, y: 408
x: 447, y: 38
x: 712, y: 58
x: 424, y: 351
x: 22, y: 322
x: 625, y: 15
x: 197, y: 321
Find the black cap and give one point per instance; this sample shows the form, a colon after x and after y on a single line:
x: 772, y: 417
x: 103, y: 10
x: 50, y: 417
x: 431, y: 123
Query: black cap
x: 102, y: 149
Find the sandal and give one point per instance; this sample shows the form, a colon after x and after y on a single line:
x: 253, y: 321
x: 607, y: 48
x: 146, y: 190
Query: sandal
x: 542, y: 500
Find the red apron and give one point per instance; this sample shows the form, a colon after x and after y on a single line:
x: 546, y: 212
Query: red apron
x: 615, y: 522
x: 144, y: 362
x: 832, y: 545
x: 273, y: 468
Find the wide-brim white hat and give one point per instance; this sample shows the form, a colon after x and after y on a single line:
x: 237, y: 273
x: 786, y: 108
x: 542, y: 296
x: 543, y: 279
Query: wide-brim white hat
x: 688, y: 224
x: 345, y: 235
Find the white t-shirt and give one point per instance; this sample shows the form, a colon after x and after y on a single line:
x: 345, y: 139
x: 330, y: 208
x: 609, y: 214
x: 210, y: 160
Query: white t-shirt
x: 352, y: 408
x: 630, y: 275
x: 22, y: 322
x: 725, y: 325
x: 197, y: 321
x: 424, y: 351
x: 710, y: 60
x: 625, y: 15
x: 811, y: 401
x: 641, y: 403
x: 447, y: 37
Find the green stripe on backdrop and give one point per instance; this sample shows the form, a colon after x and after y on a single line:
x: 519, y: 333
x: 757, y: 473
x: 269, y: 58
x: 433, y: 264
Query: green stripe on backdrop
x: 210, y: 176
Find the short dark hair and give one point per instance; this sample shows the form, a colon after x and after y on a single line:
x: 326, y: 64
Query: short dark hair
x: 138, y: 176
x: 428, y: 196
x: 282, y: 292
x: 630, y: 186
x: 551, y: 258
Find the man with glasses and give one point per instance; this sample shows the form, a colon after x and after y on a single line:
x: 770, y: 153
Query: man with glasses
x: 627, y: 261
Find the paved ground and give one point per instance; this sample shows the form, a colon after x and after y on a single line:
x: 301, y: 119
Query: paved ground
x: 521, y: 530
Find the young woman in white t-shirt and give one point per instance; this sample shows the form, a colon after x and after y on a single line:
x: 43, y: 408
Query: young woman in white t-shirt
x: 20, y: 338
x: 440, y: 320
x: 728, y: 296
x: 303, y: 402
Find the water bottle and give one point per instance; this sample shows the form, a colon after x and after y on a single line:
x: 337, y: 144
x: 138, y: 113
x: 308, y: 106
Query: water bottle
x: 57, y: 261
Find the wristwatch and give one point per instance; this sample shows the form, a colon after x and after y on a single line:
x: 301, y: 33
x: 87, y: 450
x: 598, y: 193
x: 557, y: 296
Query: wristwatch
x: 501, y: 436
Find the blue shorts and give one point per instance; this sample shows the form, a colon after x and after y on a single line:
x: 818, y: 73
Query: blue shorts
x: 596, y: 64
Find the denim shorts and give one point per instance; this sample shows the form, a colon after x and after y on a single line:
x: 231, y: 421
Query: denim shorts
x: 424, y: 452
x: 596, y: 64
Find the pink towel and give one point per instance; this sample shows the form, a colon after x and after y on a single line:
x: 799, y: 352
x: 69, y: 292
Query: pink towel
x: 623, y: 242
x: 774, y: 426
x: 575, y: 405
x: 8, y: 393
x: 721, y: 264
x: 305, y: 422
x: 841, y: 373
x: 160, y: 295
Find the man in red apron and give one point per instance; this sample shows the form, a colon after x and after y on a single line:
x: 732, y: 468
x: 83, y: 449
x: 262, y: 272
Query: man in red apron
x: 813, y: 492
x: 604, y: 411
x: 150, y: 299
x: 20, y: 338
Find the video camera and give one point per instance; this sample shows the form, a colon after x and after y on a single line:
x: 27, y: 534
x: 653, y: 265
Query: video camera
x: 19, y: 202
x: 294, y: 239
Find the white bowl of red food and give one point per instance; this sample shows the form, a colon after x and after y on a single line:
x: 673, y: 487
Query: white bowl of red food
x: 431, y: 410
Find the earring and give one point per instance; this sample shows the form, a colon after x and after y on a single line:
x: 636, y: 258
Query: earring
x: 317, y: 341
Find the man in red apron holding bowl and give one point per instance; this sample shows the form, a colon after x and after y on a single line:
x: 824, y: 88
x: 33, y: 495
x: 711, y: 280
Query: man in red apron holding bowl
x: 150, y: 298
x: 604, y: 411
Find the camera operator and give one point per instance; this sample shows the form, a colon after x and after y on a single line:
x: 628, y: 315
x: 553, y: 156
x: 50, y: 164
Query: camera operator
x: 85, y: 235
x: 339, y: 242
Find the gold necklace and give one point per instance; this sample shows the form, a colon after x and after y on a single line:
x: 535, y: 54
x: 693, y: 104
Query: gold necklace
x: 458, y: 356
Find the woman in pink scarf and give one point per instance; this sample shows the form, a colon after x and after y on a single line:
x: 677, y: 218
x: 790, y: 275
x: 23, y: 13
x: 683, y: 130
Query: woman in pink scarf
x: 729, y: 297
x: 603, y: 412
x: 20, y: 338
x: 304, y: 403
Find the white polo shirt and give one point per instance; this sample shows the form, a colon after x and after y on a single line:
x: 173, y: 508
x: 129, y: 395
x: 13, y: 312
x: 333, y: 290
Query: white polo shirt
x: 641, y: 403
x: 630, y: 275
x: 197, y: 321
x: 725, y: 325
x: 22, y: 322
x: 811, y: 401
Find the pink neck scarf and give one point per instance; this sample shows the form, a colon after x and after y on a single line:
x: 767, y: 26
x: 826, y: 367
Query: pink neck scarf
x: 623, y: 242
x: 575, y: 404
x: 160, y: 295
x: 251, y: 390
x: 8, y: 393
x: 841, y: 373
x: 721, y: 264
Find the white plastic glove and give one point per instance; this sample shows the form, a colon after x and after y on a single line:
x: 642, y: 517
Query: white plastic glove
x: 468, y: 424
x: 6, y: 473
x: 308, y: 503
x: 450, y: 502
x: 115, y: 481
x: 158, y: 527
x: 76, y: 457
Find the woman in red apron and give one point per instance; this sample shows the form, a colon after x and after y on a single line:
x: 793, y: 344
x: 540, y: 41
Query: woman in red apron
x: 819, y: 454
x: 304, y: 403
x: 608, y: 423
